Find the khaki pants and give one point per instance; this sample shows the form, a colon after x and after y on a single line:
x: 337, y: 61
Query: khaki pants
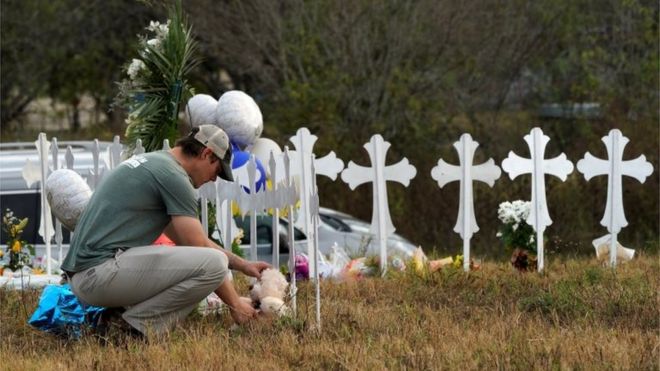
x: 157, y: 285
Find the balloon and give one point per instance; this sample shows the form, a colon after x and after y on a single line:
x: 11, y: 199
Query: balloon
x: 239, y: 165
x: 68, y: 194
x: 239, y: 116
x: 201, y: 110
x: 261, y: 150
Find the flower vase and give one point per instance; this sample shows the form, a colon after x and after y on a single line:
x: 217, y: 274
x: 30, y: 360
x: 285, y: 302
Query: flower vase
x: 523, y: 260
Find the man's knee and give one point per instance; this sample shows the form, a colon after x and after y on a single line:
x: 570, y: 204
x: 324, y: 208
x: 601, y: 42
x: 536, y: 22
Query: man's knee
x: 217, y: 265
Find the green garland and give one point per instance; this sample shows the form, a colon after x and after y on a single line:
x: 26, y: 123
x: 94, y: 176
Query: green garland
x: 156, y: 82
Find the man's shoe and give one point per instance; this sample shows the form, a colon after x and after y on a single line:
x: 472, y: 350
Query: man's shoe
x: 112, y: 328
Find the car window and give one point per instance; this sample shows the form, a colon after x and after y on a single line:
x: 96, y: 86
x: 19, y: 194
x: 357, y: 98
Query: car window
x: 264, y: 229
x: 335, y: 223
x: 264, y: 234
x: 298, y: 235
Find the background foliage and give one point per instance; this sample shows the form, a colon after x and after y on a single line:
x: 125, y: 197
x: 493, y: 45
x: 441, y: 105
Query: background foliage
x: 419, y: 73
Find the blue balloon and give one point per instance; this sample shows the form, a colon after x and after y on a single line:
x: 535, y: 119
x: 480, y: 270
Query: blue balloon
x: 240, y: 159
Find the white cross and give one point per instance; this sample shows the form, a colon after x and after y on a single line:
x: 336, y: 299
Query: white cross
x: 46, y: 226
x: 615, y: 168
x: 293, y: 290
x: 280, y: 196
x: 314, y: 214
x: 114, y: 153
x: 301, y: 159
x: 226, y: 192
x: 379, y: 174
x: 538, y: 166
x: 58, y: 224
x: 466, y: 173
x: 275, y: 230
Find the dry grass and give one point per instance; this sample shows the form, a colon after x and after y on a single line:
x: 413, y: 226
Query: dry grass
x: 576, y: 316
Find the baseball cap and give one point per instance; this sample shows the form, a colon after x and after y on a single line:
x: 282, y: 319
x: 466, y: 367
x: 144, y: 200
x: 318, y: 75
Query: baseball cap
x: 217, y: 141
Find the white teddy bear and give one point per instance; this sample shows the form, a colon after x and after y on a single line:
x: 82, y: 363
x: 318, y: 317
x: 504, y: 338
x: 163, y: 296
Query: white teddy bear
x: 268, y: 293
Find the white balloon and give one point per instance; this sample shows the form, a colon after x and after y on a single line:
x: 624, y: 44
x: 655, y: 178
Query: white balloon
x: 262, y: 148
x: 201, y: 110
x: 240, y: 117
x: 68, y: 195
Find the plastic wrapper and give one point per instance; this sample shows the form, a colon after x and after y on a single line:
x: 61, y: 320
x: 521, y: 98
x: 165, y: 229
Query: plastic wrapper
x: 602, y: 246
x: 334, y: 266
x: 59, y: 312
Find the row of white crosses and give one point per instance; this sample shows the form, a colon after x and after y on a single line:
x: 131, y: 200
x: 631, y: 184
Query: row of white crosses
x: 466, y: 225
x: 382, y: 227
x: 539, y: 218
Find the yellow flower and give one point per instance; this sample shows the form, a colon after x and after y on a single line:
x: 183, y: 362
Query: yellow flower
x: 458, y: 262
x: 21, y: 225
x: 38, y: 271
x: 16, y: 246
x: 1, y: 254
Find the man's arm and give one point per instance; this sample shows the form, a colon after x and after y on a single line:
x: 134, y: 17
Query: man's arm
x: 188, y: 231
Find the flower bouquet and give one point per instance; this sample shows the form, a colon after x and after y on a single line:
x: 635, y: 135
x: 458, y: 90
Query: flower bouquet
x: 19, y: 251
x: 516, y: 235
x: 156, y: 82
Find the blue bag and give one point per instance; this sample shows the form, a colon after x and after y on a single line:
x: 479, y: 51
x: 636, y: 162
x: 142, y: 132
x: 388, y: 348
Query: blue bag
x: 59, y: 312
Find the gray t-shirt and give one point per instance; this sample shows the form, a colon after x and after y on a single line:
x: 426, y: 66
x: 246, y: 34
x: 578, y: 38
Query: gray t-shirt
x: 131, y: 207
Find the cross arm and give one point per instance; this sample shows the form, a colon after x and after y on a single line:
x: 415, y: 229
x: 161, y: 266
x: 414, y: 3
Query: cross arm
x: 592, y: 166
x: 329, y: 165
x: 638, y: 168
x: 402, y: 172
x: 559, y: 166
x: 487, y: 172
x: 516, y: 165
x: 445, y: 173
x: 354, y: 175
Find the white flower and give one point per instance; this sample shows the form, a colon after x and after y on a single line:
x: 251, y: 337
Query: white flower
x: 513, y: 212
x: 154, y: 43
x: 135, y: 67
x: 160, y: 30
x: 239, y: 236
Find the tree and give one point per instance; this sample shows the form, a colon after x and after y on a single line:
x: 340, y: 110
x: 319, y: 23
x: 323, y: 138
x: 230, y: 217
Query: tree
x: 65, y: 49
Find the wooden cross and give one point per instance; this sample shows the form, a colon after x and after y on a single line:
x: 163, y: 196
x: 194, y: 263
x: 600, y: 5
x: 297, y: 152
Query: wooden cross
x: 538, y: 166
x: 615, y: 168
x: 379, y: 174
x: 466, y: 173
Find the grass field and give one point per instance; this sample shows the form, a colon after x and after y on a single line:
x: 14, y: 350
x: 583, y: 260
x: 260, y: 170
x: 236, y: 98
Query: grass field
x: 578, y: 315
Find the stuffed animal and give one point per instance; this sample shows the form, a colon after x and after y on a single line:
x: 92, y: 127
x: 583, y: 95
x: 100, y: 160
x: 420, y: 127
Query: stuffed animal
x: 268, y: 293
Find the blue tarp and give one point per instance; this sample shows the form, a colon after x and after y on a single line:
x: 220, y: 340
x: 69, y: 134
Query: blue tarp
x: 59, y: 312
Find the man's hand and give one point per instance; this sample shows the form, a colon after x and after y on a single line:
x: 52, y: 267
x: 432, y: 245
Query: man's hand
x: 242, y: 312
x: 254, y: 269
